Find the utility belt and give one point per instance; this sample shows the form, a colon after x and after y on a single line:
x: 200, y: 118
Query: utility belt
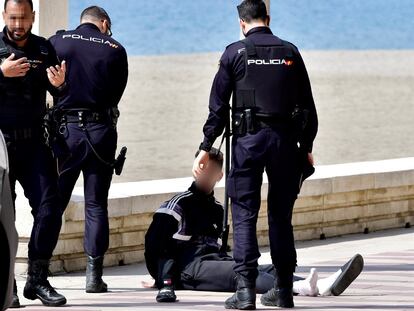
x: 57, y: 119
x: 84, y: 116
x: 249, y: 122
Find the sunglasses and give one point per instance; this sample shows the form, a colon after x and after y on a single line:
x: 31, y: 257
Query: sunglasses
x: 108, y: 26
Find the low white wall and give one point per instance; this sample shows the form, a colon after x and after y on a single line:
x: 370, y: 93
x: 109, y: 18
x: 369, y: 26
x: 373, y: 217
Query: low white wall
x: 336, y: 200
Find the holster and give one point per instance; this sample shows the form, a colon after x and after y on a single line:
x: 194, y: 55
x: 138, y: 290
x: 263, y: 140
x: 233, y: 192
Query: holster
x: 50, y: 126
x: 244, y: 122
x: 120, y: 161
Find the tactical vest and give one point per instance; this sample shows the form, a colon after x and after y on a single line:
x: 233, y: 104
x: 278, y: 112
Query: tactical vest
x: 269, y: 86
x: 23, y: 100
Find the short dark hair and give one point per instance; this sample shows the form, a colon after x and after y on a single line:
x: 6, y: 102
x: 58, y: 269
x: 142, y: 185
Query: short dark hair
x: 18, y: 1
x: 215, y: 155
x: 96, y: 12
x: 250, y: 10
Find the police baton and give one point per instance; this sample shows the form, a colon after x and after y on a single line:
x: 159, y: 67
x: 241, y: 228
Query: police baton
x: 226, y: 227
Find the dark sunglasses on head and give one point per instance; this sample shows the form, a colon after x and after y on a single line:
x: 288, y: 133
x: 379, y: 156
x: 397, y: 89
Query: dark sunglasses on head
x: 108, y: 31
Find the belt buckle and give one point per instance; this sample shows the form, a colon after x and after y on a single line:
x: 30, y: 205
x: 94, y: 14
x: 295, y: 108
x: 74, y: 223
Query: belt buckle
x: 81, y: 119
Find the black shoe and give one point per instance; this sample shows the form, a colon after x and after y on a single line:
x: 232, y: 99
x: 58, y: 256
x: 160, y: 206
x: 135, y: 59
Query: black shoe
x: 15, y: 301
x: 243, y: 299
x: 350, y: 272
x: 38, y: 287
x: 166, y: 294
x: 282, y: 298
x: 245, y: 296
x: 94, y: 270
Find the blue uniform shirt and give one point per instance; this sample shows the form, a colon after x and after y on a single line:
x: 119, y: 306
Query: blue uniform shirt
x: 97, y: 68
x: 232, y: 68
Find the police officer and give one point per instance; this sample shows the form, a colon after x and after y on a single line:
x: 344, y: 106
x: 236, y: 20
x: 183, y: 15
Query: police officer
x: 87, y: 115
x: 29, y: 68
x: 274, y: 124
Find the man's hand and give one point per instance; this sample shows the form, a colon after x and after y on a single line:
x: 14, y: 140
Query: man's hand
x: 311, y: 159
x: 57, y: 74
x: 200, y: 163
x: 14, y: 68
x: 148, y: 284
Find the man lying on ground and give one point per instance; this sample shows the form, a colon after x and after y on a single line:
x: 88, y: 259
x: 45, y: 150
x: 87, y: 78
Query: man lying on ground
x: 182, y: 247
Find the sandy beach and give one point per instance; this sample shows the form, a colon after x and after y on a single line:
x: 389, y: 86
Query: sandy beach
x: 364, y: 99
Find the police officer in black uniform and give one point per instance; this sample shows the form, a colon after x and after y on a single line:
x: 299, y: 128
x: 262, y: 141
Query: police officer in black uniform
x: 274, y: 124
x: 87, y: 139
x: 29, y: 68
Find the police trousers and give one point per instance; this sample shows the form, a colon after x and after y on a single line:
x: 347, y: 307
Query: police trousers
x: 75, y: 155
x: 274, y: 151
x: 32, y: 165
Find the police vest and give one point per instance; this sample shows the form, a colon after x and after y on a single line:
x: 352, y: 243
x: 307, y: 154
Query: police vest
x: 23, y: 100
x: 269, y: 84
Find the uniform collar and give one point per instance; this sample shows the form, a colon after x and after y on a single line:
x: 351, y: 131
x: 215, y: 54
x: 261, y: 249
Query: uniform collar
x: 194, y: 189
x: 260, y: 29
x: 89, y: 26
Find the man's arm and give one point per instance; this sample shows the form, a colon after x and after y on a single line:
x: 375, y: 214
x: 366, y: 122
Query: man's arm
x: 56, y: 73
x: 307, y: 103
x: 219, y: 107
x: 160, y: 246
x: 120, y: 76
x: 219, y: 110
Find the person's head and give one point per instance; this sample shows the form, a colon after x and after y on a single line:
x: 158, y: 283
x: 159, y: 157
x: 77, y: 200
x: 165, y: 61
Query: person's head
x: 98, y: 16
x: 252, y: 13
x: 18, y: 16
x: 212, y: 173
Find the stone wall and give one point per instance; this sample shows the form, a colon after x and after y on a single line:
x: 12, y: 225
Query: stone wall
x: 337, y: 200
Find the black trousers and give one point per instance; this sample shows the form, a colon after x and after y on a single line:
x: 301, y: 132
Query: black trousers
x: 276, y: 152
x: 215, y: 272
x: 75, y: 155
x: 32, y: 165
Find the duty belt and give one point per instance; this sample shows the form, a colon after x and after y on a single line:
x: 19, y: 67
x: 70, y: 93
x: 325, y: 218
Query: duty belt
x: 84, y: 116
x: 247, y: 121
x: 264, y: 121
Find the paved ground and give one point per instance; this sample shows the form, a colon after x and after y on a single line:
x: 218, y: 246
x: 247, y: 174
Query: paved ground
x: 387, y: 282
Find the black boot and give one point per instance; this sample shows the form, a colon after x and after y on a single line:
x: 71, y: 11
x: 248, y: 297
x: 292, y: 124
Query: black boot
x: 38, y: 287
x: 15, y: 302
x: 94, y: 282
x: 282, y: 298
x: 245, y: 296
x: 282, y: 293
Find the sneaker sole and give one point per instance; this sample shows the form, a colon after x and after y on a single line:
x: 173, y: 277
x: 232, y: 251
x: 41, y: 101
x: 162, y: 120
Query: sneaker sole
x: 243, y: 307
x: 34, y: 296
x: 272, y: 304
x: 166, y: 299
x: 350, y: 272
